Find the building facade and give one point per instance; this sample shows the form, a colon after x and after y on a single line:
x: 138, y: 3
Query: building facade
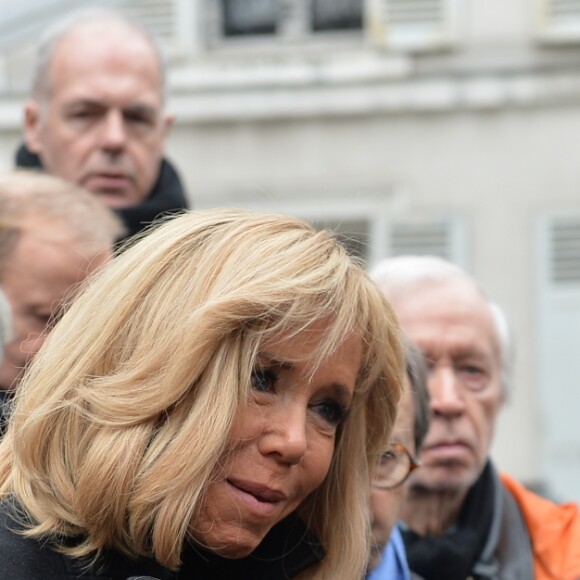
x: 448, y: 127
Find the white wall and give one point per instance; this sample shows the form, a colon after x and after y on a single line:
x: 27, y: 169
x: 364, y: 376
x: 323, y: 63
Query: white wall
x: 483, y: 133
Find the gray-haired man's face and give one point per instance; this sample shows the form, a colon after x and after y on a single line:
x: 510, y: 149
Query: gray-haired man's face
x: 42, y: 271
x: 102, y: 125
x: 451, y: 323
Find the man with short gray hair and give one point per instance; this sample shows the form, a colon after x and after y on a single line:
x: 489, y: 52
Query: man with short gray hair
x: 463, y: 519
x: 97, y: 118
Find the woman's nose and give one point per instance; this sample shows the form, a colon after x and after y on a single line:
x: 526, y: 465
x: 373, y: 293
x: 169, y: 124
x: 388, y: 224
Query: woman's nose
x: 285, y: 435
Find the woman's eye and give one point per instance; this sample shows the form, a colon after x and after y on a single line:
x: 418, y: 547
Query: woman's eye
x: 333, y: 412
x: 263, y: 379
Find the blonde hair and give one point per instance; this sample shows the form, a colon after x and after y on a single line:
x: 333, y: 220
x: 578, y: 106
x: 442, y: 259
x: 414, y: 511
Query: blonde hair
x: 122, y: 418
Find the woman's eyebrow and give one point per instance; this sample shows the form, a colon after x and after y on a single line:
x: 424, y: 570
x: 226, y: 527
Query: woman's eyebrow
x: 342, y: 392
x: 274, y: 360
x: 339, y: 389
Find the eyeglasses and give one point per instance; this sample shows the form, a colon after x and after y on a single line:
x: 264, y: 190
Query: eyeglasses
x: 394, y: 467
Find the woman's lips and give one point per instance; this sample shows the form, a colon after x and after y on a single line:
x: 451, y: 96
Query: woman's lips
x: 258, y: 499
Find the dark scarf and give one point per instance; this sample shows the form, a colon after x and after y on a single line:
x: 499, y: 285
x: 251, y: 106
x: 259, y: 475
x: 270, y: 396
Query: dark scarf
x: 453, y: 555
x: 166, y: 196
x: 286, y: 551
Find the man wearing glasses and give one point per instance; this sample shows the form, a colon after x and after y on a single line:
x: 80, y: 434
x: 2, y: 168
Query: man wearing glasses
x: 388, y: 560
x: 463, y: 519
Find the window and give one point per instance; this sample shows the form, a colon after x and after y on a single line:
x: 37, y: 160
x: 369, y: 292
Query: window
x: 249, y: 17
x: 564, y: 243
x: 415, y: 24
x: 396, y: 24
x: 378, y: 237
x: 337, y: 15
x: 430, y: 237
x: 299, y: 20
x: 558, y: 21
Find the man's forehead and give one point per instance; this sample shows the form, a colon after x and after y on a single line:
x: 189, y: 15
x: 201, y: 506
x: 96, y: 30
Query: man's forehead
x: 102, y: 35
x: 450, y: 314
x: 439, y: 296
x: 45, y: 244
x: 119, y: 50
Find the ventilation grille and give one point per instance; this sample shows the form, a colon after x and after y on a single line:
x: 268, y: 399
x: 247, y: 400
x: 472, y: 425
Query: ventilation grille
x: 414, y: 12
x: 430, y: 238
x: 563, y: 10
x: 559, y: 21
x: 565, y: 251
x: 414, y: 24
x: 158, y: 16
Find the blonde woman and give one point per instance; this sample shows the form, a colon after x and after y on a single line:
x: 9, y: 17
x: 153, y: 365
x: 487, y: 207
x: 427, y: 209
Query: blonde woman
x: 210, y: 407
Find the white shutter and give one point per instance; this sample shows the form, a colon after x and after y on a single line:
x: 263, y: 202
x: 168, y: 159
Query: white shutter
x: 158, y: 16
x: 558, y: 21
x: 565, y: 252
x: 558, y: 250
x: 414, y: 24
x: 366, y: 237
x: 443, y: 237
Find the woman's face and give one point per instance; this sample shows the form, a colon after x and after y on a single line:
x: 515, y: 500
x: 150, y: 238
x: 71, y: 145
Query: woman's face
x: 281, y: 445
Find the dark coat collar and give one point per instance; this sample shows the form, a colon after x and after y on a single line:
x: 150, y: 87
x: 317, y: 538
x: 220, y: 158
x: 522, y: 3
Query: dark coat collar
x: 287, y: 550
x: 166, y: 196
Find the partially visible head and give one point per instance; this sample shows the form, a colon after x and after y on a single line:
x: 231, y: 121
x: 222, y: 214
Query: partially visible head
x: 96, y: 116
x: 465, y: 341
x: 162, y: 362
x: 52, y: 236
x: 5, y: 323
x: 410, y: 429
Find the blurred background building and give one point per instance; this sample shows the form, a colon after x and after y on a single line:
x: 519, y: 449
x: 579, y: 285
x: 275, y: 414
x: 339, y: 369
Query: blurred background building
x: 447, y: 127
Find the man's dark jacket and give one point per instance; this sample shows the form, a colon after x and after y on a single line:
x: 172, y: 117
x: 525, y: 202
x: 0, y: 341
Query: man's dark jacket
x: 166, y: 196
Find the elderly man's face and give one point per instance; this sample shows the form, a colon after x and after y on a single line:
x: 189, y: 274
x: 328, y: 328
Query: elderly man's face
x: 43, y: 270
x: 101, y: 124
x: 452, y: 325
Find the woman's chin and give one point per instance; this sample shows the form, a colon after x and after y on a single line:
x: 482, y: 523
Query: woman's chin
x: 231, y: 545
x: 235, y: 552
